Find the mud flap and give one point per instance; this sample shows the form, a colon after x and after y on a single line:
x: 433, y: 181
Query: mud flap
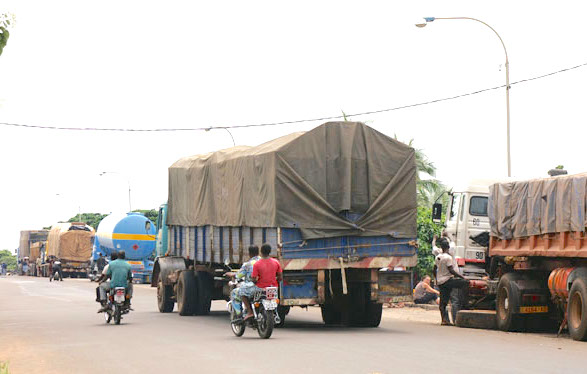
x: 164, y: 266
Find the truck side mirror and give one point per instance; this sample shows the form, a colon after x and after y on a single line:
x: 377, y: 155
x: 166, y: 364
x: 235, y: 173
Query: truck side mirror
x: 436, y: 212
x: 147, y: 226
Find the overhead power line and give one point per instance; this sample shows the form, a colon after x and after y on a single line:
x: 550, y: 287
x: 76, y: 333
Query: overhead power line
x: 292, y: 121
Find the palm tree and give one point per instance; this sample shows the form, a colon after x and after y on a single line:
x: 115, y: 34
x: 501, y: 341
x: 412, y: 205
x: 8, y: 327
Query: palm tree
x: 428, y: 187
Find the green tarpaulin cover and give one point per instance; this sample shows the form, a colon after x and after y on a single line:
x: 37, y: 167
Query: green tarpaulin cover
x: 310, y: 180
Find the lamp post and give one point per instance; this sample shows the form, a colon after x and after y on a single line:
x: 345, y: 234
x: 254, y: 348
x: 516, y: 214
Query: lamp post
x: 127, y: 180
x: 229, y: 133
x: 507, y: 75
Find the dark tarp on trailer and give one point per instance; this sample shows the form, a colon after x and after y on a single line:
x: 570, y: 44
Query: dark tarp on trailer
x: 539, y: 206
x: 316, y: 181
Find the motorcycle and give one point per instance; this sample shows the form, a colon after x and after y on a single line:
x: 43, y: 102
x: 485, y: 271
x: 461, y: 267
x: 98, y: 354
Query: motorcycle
x: 264, y: 303
x: 116, y: 305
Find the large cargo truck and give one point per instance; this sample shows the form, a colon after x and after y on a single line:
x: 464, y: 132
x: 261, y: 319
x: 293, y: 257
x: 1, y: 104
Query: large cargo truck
x: 71, y: 243
x: 337, y: 205
x: 537, y: 253
x: 135, y: 235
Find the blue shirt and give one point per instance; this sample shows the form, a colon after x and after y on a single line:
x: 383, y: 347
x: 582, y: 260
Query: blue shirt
x: 246, y: 271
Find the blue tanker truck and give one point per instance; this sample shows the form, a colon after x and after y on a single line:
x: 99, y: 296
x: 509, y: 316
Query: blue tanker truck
x: 337, y: 204
x: 135, y: 235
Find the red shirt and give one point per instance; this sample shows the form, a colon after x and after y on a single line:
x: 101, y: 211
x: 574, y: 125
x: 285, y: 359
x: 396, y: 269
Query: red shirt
x: 266, y: 269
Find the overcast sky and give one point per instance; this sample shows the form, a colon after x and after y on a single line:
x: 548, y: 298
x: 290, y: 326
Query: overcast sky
x: 170, y: 64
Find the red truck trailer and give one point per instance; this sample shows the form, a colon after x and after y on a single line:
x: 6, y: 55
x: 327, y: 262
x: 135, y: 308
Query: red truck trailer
x: 538, y: 252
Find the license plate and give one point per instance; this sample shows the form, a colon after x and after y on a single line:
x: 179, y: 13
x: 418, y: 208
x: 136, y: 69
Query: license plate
x: 119, y: 296
x: 271, y: 293
x: 534, y: 309
x: 269, y: 304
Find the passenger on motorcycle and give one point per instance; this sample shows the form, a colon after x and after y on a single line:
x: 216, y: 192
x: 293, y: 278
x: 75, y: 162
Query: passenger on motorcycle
x: 120, y: 275
x: 104, y: 283
x: 266, y: 273
x: 247, y: 289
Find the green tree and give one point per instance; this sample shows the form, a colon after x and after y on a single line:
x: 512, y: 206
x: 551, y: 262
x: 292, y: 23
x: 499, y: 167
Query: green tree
x: 6, y: 21
x: 7, y: 257
x: 90, y: 219
x: 152, y: 214
x: 426, y: 231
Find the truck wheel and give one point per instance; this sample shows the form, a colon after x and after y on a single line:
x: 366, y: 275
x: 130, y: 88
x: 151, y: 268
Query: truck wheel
x: 577, y: 310
x: 330, y: 315
x: 204, y: 295
x: 372, y: 315
x: 282, y: 311
x: 186, y: 297
x: 506, y: 305
x: 164, y: 300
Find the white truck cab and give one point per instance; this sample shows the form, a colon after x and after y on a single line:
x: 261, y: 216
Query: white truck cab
x: 466, y: 217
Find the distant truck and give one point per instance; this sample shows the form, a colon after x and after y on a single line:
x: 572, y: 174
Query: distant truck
x: 537, y: 253
x: 337, y: 204
x: 28, y: 238
x: 133, y: 233
x: 32, y: 246
x: 71, y: 243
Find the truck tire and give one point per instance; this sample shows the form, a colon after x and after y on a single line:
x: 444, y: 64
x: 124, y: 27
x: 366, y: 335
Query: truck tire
x: 330, y: 315
x: 577, y: 310
x: 186, y: 293
x: 164, y: 294
x: 372, y: 315
x: 204, y: 284
x: 506, y: 305
x: 282, y: 311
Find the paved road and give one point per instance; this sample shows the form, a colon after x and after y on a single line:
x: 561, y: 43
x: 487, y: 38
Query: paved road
x: 53, y: 328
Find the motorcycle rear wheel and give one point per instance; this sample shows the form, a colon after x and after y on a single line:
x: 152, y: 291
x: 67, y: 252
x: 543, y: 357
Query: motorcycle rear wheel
x: 117, y: 315
x: 265, y: 323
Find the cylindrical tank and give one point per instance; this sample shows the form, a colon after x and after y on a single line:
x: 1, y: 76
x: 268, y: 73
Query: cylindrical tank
x: 131, y: 232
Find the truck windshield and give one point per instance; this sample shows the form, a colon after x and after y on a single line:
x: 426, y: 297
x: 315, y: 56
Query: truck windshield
x: 478, y: 206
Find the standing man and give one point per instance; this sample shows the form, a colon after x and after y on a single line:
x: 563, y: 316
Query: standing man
x: 456, y: 295
x: 101, y: 263
x: 447, y: 279
x: 39, y: 263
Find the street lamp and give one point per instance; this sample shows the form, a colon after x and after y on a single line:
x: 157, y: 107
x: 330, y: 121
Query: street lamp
x: 229, y: 133
x: 127, y: 180
x: 507, y: 76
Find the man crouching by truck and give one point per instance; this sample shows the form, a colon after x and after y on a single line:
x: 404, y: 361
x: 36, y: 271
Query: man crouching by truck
x: 447, y: 279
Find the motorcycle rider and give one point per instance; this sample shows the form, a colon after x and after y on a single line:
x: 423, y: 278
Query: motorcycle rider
x: 267, y: 272
x: 247, y: 289
x: 120, y: 275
